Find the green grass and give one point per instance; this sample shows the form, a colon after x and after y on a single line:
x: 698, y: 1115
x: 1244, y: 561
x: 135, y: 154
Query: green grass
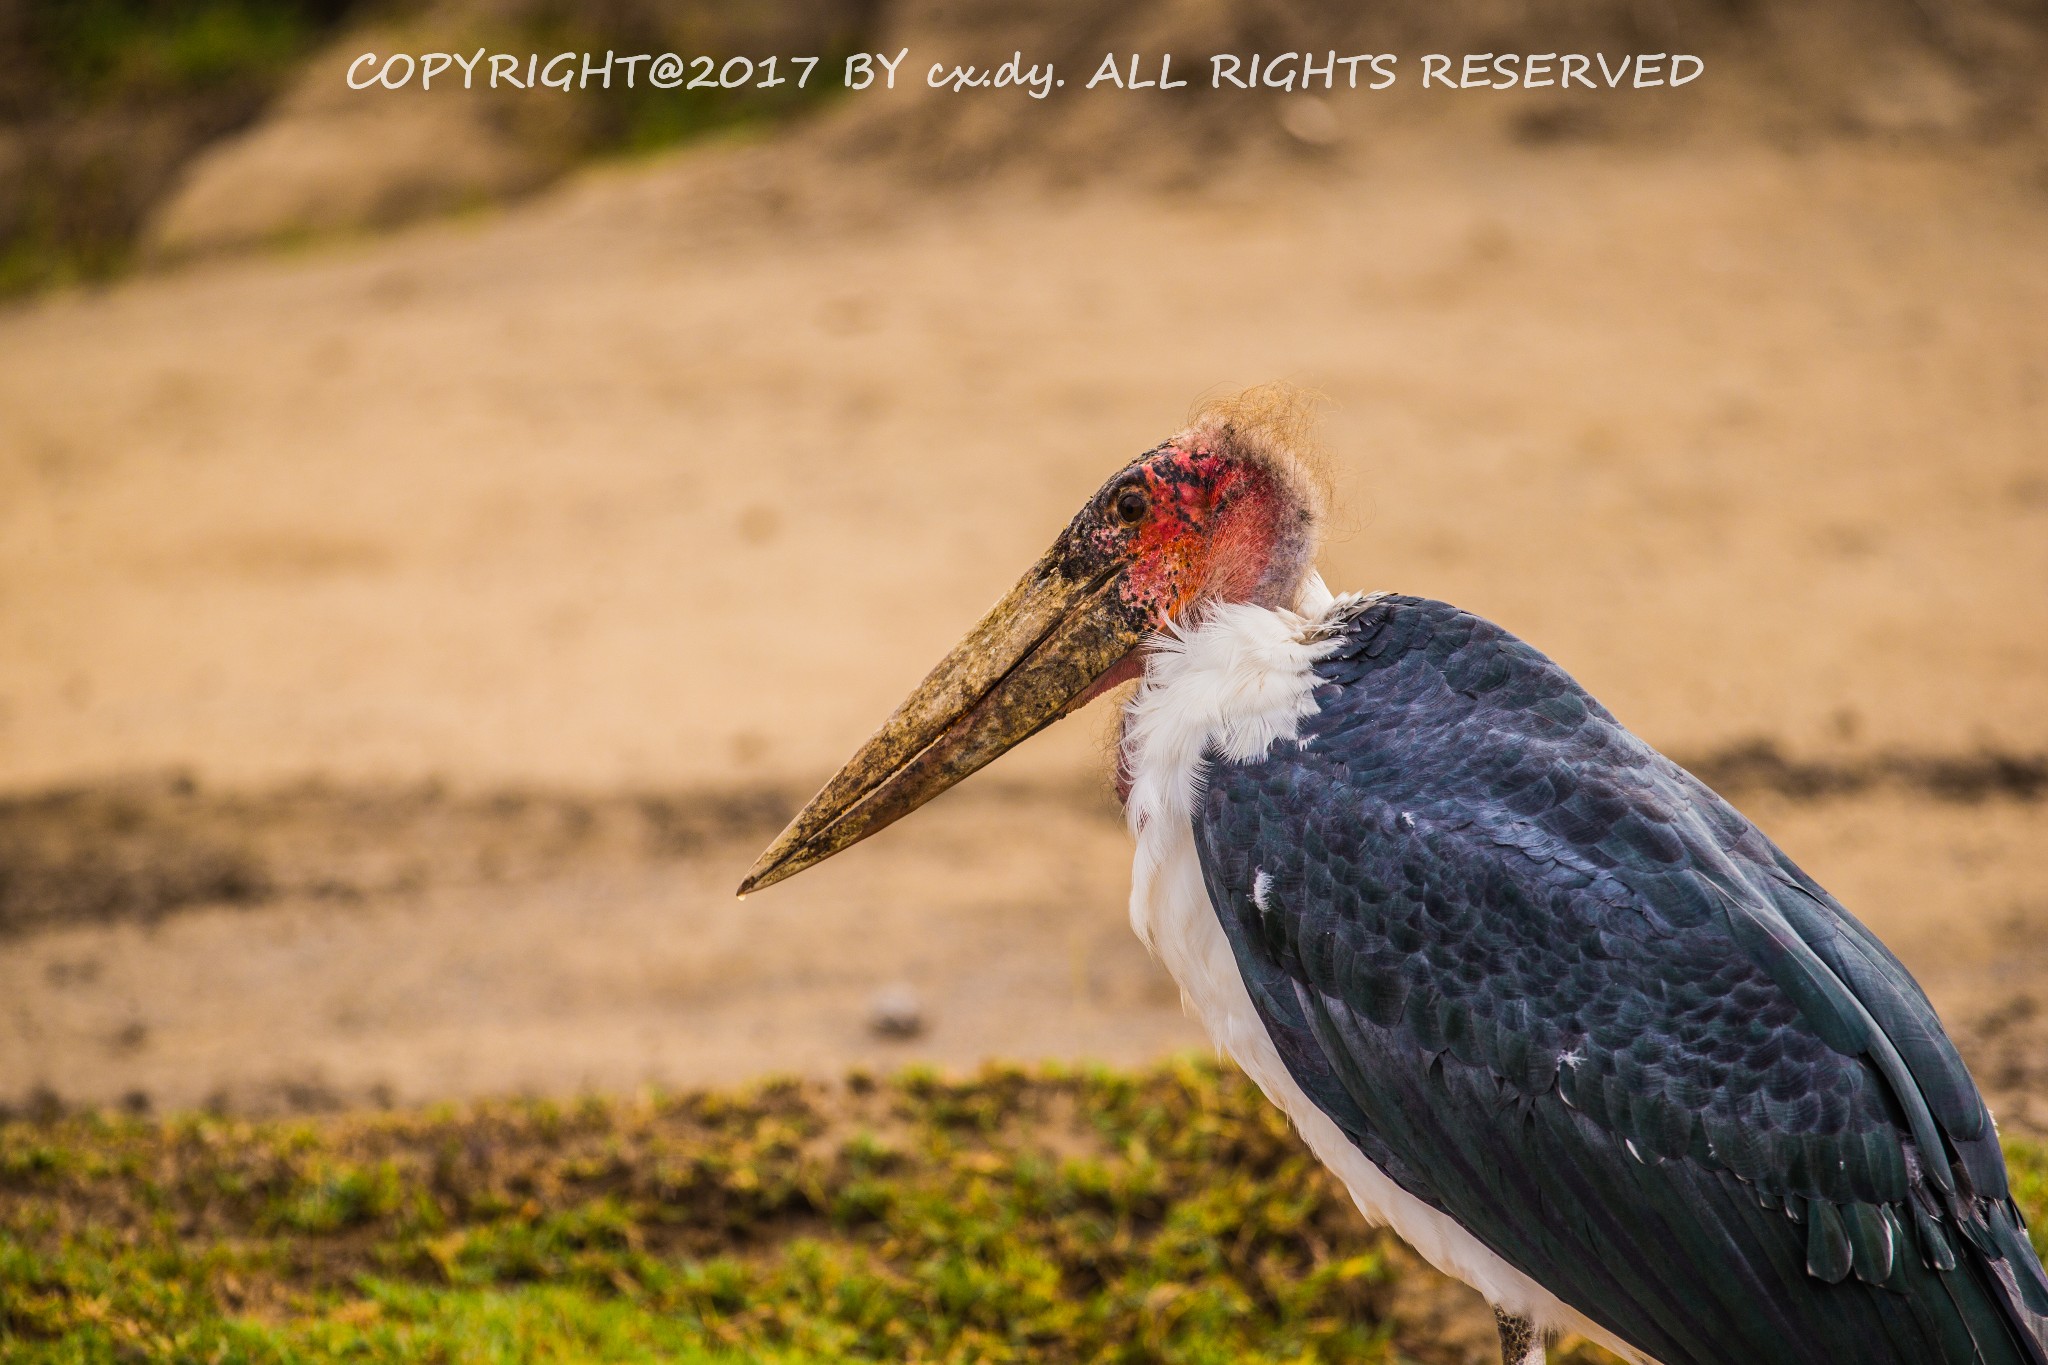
x: 102, y: 50
x: 1167, y: 1216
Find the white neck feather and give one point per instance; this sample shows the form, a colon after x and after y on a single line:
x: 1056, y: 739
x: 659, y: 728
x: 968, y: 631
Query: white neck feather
x: 1237, y: 677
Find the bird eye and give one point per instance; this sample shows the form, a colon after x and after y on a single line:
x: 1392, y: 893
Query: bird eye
x: 1130, y: 506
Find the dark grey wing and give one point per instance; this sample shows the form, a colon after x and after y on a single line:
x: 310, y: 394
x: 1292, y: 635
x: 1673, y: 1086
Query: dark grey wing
x: 1561, y: 991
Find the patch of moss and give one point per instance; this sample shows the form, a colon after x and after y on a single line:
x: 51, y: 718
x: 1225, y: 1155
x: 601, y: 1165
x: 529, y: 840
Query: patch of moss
x: 1163, y: 1216
x: 1054, y: 1214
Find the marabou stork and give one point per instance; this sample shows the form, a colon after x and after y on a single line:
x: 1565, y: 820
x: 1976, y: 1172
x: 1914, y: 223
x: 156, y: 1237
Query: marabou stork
x: 1552, y: 1009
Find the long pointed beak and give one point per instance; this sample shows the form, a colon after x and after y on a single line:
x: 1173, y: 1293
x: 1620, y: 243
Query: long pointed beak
x: 1033, y: 658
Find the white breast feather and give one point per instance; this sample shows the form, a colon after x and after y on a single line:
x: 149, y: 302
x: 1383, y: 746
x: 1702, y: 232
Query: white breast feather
x: 1239, y: 680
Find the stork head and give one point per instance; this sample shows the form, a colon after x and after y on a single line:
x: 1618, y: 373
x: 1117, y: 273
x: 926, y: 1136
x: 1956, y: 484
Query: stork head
x: 1229, y: 510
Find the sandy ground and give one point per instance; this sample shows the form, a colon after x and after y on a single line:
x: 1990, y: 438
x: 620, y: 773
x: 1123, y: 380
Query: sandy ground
x: 666, y: 485
x: 553, y: 949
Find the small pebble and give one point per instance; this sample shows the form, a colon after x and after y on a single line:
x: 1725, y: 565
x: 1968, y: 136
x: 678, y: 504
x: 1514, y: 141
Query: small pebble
x: 1310, y: 120
x: 895, y: 1013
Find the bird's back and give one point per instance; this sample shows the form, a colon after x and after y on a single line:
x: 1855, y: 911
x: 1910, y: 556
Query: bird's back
x: 1558, y: 990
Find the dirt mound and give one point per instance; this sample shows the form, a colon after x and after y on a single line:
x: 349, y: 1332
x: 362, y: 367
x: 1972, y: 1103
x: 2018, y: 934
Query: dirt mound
x: 331, y: 157
x: 327, y: 160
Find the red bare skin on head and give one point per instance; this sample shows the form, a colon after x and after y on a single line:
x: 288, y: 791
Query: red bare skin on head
x: 1208, y: 534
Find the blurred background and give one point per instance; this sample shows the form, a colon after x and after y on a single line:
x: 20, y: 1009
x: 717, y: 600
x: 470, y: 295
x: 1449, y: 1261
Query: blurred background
x: 443, y: 536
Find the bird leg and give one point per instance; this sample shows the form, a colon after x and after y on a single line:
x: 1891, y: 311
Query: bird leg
x: 1520, y: 1342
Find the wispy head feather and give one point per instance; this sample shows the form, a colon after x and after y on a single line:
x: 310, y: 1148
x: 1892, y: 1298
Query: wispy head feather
x: 1277, y: 425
